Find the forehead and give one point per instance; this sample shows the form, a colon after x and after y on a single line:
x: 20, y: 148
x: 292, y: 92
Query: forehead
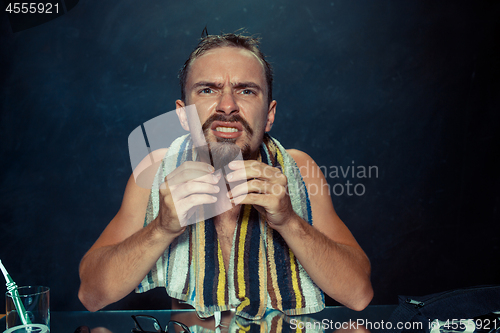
x: 222, y: 63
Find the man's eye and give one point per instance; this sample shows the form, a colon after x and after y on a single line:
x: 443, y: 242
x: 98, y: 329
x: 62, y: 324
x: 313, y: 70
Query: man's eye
x: 248, y: 92
x: 206, y: 91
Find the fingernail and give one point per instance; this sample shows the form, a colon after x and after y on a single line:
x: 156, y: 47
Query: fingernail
x: 229, y: 176
x: 216, y: 188
x: 210, y: 168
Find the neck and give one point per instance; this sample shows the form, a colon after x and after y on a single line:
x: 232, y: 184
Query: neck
x: 231, y: 214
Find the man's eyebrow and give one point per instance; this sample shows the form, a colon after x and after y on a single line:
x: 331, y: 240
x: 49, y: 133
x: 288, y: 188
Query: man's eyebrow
x: 247, y: 85
x: 240, y: 85
x: 204, y: 84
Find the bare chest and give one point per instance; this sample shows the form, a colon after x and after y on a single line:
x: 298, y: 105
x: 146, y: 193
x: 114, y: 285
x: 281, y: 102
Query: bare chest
x: 225, y: 225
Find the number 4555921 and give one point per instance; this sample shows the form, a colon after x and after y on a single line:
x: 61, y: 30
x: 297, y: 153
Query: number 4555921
x: 32, y: 7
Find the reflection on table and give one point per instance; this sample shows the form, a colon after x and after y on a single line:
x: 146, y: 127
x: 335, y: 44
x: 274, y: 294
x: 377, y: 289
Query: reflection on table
x: 339, y: 319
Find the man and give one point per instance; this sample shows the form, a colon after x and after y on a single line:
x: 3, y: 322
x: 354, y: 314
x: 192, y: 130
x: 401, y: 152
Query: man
x: 273, y: 249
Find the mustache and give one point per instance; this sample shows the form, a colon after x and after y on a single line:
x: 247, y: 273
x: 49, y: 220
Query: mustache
x: 231, y: 118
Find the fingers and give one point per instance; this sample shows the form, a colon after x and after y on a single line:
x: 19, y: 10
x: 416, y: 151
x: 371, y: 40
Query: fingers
x: 191, y: 178
x: 258, y: 178
x: 186, y: 189
x: 192, y: 170
x: 262, y: 186
x: 256, y: 186
x: 190, y: 185
x: 195, y: 200
x: 186, y: 207
x: 244, y: 170
x: 206, y: 183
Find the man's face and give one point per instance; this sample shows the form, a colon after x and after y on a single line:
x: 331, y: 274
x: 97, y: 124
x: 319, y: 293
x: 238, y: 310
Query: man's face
x: 228, y: 87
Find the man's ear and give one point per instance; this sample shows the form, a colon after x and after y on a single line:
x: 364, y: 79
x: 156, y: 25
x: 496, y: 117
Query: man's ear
x: 181, y: 113
x: 271, y: 113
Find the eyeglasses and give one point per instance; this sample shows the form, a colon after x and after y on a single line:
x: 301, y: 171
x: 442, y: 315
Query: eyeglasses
x: 149, y: 324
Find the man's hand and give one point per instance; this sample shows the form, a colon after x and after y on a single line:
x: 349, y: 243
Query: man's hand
x: 190, y: 185
x: 267, y: 190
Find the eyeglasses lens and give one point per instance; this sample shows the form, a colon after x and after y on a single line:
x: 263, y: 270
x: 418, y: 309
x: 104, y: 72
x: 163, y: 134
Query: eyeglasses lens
x: 175, y: 327
x: 148, y: 324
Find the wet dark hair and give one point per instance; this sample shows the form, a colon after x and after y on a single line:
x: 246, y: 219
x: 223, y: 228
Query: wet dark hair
x: 210, y: 42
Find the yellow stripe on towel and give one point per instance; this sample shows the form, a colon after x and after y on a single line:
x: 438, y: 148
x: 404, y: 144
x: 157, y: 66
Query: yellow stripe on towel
x: 279, y: 157
x: 241, y: 253
x: 272, y: 265
x: 295, y: 280
x: 200, y: 233
x: 221, y: 286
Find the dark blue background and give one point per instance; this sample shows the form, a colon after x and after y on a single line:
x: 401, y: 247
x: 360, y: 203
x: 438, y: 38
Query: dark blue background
x: 411, y: 87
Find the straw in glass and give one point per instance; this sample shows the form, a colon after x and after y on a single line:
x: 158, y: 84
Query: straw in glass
x: 14, y: 293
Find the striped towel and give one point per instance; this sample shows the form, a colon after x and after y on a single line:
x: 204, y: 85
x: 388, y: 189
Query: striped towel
x: 263, y: 271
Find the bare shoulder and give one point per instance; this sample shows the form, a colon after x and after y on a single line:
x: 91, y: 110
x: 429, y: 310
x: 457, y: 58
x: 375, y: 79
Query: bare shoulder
x: 298, y: 155
x: 307, y: 166
x: 146, y: 170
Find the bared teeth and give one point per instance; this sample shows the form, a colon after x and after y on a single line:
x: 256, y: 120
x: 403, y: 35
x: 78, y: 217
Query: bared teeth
x: 226, y: 129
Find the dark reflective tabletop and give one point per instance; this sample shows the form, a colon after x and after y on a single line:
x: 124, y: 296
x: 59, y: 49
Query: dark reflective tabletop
x: 330, y: 319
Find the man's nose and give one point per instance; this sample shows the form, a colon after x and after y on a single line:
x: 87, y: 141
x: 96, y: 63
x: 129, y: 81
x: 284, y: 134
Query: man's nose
x: 227, y: 103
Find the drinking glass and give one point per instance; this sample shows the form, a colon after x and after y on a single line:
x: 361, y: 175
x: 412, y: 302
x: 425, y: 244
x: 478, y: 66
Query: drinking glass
x: 36, y: 301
